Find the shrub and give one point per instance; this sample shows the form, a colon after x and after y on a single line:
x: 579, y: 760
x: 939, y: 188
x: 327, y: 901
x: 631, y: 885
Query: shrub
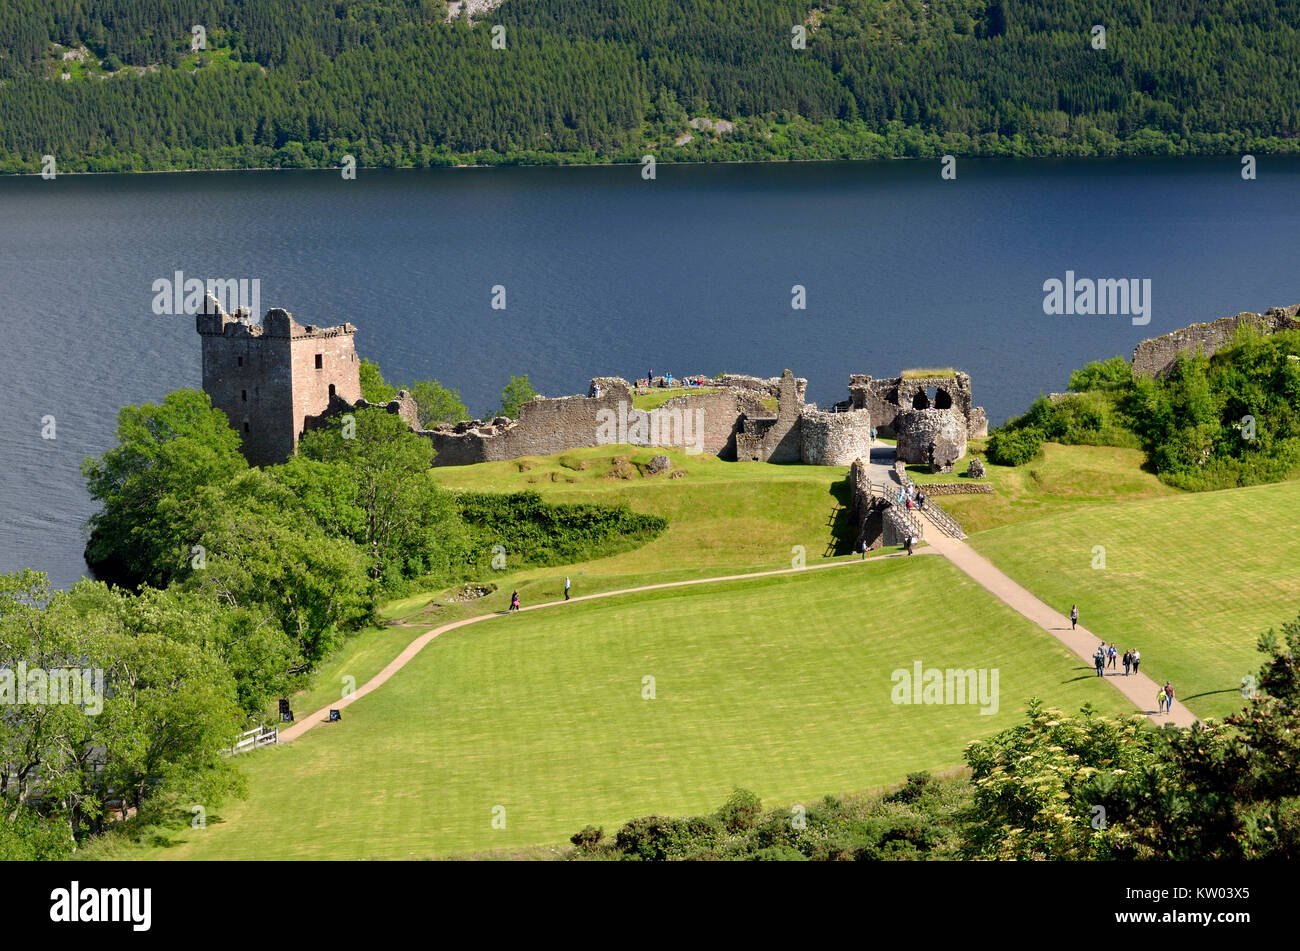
x: 1014, y: 447
x: 741, y: 811
x: 657, y: 838
x: 1111, y: 374
x: 588, y: 840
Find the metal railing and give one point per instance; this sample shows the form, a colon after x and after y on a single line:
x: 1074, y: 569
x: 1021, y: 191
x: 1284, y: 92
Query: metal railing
x: 947, y: 524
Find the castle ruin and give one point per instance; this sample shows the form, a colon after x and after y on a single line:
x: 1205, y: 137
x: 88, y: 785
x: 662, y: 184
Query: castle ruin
x: 272, y: 378
x: 1156, y: 356
x: 278, y: 379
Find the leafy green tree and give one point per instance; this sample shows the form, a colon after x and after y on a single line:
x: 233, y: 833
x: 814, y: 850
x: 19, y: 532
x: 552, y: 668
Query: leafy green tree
x: 146, y: 526
x: 516, y: 393
x: 373, y: 386
x: 437, y: 403
x: 267, y: 556
x: 403, y: 521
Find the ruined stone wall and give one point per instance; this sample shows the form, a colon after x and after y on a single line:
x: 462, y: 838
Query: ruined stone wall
x: 955, y: 488
x: 1157, y: 355
x: 834, y: 439
x: 768, y: 387
x: 703, y: 422
x: 886, y: 399
x: 764, y: 438
x: 933, y: 437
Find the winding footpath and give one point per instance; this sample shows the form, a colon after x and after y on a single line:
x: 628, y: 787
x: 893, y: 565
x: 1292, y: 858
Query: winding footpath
x: 401, y: 660
x: 1138, y: 688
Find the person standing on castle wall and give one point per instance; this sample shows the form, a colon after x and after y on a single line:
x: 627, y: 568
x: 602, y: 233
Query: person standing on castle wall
x: 567, y: 582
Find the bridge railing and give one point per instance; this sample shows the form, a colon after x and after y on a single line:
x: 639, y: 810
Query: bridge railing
x: 947, y: 524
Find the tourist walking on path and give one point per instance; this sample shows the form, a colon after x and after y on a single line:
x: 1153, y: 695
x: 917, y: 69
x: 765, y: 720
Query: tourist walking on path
x: 566, y: 587
x: 1128, y: 660
x: 1169, y: 697
x: 1099, y: 661
x: 1160, y: 700
x: 1113, y: 656
x: 1074, y: 616
x: 873, y: 433
x: 1137, y: 659
x: 910, y: 542
x: 514, y: 601
x: 864, y: 549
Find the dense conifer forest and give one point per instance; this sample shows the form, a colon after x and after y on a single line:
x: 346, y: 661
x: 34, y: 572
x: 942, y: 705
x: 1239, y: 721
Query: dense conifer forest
x: 115, y: 85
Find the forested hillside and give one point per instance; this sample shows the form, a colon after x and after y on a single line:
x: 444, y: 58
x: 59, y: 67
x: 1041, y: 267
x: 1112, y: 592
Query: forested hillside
x: 114, y: 84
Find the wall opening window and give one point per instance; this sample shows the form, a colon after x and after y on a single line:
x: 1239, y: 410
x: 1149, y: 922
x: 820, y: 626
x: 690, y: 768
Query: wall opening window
x: 243, y: 395
x: 241, y: 361
x: 331, y: 391
x: 245, y: 425
x: 319, y: 362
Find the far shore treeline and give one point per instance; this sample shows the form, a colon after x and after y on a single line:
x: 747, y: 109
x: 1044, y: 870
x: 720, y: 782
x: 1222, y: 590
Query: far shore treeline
x: 114, y: 85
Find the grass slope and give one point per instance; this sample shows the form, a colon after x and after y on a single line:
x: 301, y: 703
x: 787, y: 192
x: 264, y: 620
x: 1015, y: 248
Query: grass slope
x: 1190, y: 580
x: 781, y: 685
x: 1061, y: 478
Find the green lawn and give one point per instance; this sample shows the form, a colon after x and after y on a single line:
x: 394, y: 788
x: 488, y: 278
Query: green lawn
x: 723, y: 517
x: 659, y: 396
x: 1190, y: 580
x: 781, y: 685
x: 1061, y: 478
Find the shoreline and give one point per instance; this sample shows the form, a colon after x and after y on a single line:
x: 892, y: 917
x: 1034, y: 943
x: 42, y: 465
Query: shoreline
x: 1029, y: 159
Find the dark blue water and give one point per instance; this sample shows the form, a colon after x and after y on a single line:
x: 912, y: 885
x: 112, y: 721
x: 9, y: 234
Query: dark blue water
x: 606, y: 274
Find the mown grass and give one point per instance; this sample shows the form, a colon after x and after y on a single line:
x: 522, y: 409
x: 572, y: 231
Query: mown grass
x: 1060, y: 479
x: 724, y: 518
x: 1190, y: 580
x: 781, y: 685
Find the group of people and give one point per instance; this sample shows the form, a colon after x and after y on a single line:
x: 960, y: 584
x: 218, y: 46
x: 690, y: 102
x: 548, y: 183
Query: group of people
x: 1106, y: 655
x: 669, y: 380
x: 514, y: 595
x: 911, y: 496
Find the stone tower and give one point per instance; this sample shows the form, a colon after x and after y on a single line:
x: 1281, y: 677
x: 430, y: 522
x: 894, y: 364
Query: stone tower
x: 270, y: 378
